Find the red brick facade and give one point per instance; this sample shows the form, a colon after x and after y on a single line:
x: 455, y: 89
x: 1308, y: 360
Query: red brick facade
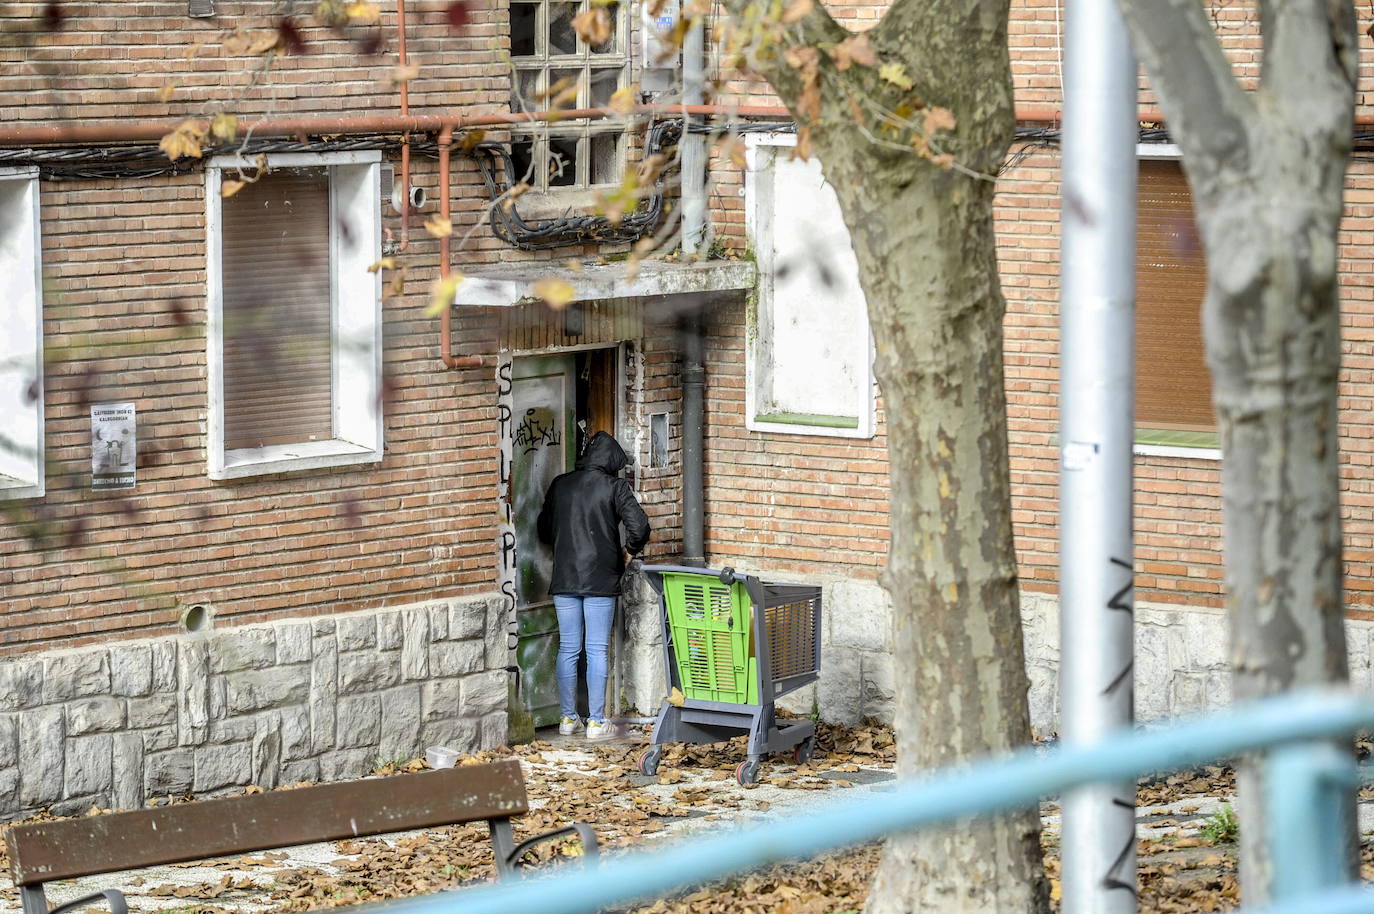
x: 125, y: 321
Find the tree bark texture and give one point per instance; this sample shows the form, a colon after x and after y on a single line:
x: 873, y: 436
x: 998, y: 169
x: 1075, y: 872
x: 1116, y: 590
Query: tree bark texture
x: 1267, y: 171
x: 924, y: 240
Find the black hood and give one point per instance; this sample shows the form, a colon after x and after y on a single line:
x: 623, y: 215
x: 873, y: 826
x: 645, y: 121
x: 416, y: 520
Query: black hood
x: 603, y: 453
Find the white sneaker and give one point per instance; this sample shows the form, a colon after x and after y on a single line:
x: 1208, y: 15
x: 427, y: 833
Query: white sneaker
x: 600, y: 729
x: 568, y: 726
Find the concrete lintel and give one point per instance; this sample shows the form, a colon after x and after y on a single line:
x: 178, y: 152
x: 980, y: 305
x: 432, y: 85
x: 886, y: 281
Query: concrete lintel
x: 603, y: 281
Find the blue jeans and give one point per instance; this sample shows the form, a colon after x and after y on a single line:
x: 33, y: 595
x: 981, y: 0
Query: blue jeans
x: 577, y: 614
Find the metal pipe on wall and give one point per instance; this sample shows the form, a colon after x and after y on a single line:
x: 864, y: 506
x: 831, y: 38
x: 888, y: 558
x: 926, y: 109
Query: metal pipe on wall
x: 124, y: 132
x: 405, y: 112
x: 692, y: 227
x: 1097, y: 433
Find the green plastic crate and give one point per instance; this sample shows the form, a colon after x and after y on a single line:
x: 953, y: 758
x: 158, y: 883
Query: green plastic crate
x: 710, y: 627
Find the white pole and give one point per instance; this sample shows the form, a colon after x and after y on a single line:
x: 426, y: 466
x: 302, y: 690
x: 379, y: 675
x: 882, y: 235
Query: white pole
x: 693, y: 147
x: 1097, y: 429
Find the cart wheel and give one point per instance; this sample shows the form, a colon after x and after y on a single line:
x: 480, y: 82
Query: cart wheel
x: 747, y: 773
x: 648, y: 761
x: 803, y: 751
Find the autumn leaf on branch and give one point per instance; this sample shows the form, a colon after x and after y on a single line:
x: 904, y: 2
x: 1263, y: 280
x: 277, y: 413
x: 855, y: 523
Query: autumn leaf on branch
x: 386, y: 263
x: 515, y: 193
x: 231, y: 186
x: 556, y: 293
x: 895, y: 73
x: 224, y: 127
x: 397, y: 285
x: 623, y: 101
x: 593, y: 26
x: 854, y: 50
x: 796, y: 11
x: 561, y: 94
x: 403, y: 74
x: 363, y: 12
x: 438, y: 226
x: 457, y: 14
x: 807, y: 60
x: 290, y: 36
x: 442, y: 295
x: 938, y: 119
x: 731, y: 148
x: 186, y: 139
x: 471, y: 139
x: 240, y: 41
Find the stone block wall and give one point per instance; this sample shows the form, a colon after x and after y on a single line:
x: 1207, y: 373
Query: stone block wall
x: 314, y: 699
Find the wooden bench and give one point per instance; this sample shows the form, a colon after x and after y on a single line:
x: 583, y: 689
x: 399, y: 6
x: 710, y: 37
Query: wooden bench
x: 47, y: 851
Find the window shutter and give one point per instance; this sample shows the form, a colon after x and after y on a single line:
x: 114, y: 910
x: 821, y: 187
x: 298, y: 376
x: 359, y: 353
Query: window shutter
x: 1173, y: 386
x: 277, y: 310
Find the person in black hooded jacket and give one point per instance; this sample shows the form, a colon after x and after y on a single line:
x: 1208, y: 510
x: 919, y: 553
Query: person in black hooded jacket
x: 581, y: 518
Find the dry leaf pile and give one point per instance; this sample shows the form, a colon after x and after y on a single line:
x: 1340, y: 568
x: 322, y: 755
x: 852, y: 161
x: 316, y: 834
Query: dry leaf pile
x: 601, y: 785
x: 1211, y: 781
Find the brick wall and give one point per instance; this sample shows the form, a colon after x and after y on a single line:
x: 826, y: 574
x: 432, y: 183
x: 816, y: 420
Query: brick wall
x: 813, y: 505
x: 125, y: 320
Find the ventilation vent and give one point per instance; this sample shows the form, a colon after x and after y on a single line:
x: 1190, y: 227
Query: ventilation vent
x: 200, y: 9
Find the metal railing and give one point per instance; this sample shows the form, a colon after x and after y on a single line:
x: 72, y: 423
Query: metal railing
x: 1308, y: 768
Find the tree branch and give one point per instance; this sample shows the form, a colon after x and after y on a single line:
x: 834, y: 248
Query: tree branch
x: 1311, y: 60
x: 1206, y: 107
x: 817, y: 29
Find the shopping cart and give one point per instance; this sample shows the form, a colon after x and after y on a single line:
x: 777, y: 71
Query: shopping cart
x: 733, y: 645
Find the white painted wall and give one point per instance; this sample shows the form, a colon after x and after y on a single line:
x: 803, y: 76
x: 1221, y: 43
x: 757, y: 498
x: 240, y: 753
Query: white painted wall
x: 810, y: 351
x: 21, y: 343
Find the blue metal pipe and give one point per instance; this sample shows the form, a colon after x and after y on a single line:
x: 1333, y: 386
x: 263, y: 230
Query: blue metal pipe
x: 1307, y: 791
x: 984, y: 786
x: 1354, y: 899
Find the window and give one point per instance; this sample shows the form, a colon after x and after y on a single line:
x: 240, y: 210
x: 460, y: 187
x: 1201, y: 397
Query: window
x: 554, y: 67
x: 21, y: 344
x: 294, y: 314
x: 1173, y: 385
x: 810, y: 357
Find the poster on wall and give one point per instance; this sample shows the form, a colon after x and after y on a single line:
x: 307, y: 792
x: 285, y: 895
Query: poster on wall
x: 114, y: 446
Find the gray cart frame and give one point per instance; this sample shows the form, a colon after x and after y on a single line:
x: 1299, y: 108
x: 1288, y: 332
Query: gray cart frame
x: 699, y: 721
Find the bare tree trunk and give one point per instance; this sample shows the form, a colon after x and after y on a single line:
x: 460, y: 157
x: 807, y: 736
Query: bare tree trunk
x: 911, y: 122
x: 1267, y: 171
x: 936, y: 310
x: 1273, y: 343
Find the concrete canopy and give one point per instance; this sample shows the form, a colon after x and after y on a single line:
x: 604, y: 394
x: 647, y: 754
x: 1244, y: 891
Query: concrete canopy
x: 595, y: 282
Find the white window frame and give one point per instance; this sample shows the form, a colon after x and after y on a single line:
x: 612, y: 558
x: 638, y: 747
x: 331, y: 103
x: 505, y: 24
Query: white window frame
x: 354, y: 198
x: 21, y: 344
x: 761, y: 150
x: 546, y: 200
x: 1169, y: 151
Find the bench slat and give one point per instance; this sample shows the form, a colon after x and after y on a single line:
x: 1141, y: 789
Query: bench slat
x: 44, y: 851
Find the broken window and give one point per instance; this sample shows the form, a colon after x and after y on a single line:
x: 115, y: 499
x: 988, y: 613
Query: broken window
x: 554, y: 68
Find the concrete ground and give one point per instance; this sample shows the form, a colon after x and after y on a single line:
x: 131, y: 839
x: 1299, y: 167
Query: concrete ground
x: 694, y: 793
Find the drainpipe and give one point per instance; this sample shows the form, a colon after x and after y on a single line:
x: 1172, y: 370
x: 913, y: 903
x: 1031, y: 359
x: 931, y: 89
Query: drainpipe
x: 693, y: 203
x: 405, y: 112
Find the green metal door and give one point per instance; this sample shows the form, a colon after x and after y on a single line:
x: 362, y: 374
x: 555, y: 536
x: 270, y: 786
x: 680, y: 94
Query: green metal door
x: 543, y: 403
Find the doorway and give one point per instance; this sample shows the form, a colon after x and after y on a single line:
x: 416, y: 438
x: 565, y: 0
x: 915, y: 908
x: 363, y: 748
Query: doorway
x: 557, y: 403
